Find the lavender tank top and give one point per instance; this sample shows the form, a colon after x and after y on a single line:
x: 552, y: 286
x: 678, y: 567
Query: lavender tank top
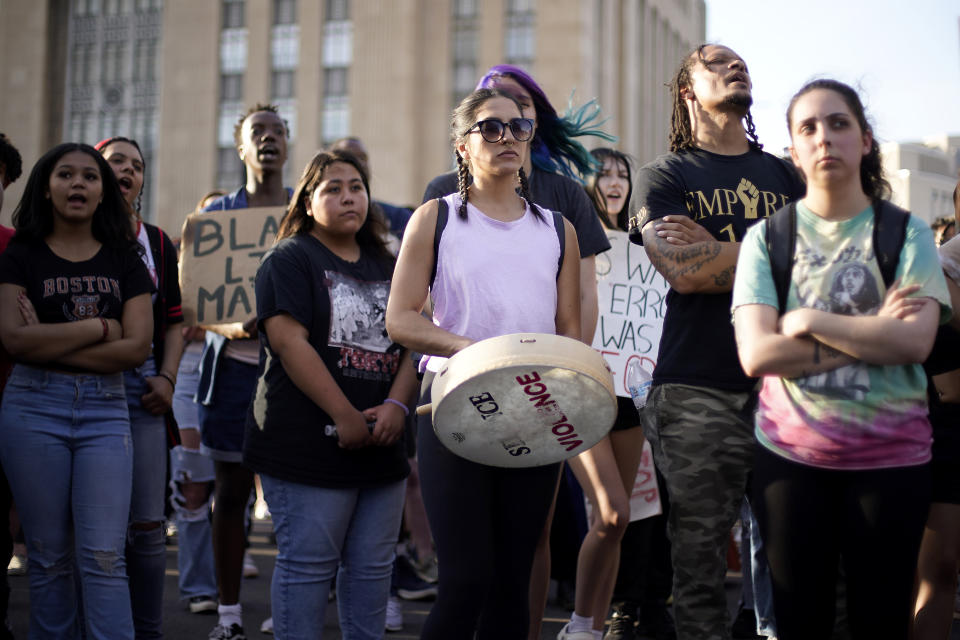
x: 493, y: 277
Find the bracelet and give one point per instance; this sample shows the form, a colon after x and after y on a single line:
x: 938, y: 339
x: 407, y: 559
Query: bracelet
x: 166, y: 376
x: 106, y: 329
x: 406, y: 411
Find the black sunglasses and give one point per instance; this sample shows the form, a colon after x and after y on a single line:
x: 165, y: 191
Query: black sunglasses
x: 493, y: 130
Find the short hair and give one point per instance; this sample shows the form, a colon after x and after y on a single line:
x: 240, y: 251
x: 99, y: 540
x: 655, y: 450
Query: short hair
x: 10, y: 160
x: 258, y: 107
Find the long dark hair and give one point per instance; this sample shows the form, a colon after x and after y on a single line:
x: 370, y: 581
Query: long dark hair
x: 553, y: 148
x: 681, y: 130
x: 874, y: 185
x: 297, y: 221
x: 103, y: 144
x: 602, y: 154
x: 33, y: 217
x: 463, y: 119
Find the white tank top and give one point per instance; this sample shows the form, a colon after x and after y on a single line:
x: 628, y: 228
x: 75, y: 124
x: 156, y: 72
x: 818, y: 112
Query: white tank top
x: 494, y: 277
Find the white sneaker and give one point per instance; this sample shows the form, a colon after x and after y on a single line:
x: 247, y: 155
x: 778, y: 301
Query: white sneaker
x: 394, y: 614
x: 17, y: 566
x: 267, y: 626
x: 250, y: 569
x: 576, y: 635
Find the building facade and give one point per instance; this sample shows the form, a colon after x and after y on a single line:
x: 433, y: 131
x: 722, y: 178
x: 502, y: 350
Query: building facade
x: 923, y: 175
x: 176, y: 75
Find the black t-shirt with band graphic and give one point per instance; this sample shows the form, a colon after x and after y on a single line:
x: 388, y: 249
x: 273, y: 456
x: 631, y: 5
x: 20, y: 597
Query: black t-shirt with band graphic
x: 725, y: 195
x: 342, y: 305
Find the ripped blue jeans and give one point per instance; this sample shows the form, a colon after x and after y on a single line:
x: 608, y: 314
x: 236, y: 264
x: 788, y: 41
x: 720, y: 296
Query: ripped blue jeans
x: 66, y: 447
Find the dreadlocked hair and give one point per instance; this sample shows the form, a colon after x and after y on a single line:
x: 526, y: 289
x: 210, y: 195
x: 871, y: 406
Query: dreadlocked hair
x: 681, y: 130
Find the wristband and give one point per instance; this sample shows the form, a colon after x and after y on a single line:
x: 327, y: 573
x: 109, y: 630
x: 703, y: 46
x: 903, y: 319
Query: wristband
x: 166, y: 376
x: 406, y: 411
x: 106, y: 329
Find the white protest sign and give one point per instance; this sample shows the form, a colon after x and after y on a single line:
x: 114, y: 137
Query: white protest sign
x: 645, y: 497
x: 220, y: 252
x: 632, y: 300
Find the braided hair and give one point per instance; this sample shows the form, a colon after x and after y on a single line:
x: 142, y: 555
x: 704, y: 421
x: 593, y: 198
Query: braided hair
x: 463, y: 119
x: 681, y: 129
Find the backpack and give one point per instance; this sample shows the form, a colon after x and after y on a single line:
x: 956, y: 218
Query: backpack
x: 443, y: 213
x: 889, y: 233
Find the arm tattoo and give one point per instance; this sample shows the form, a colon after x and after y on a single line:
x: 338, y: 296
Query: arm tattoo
x: 816, y: 353
x: 675, y: 262
x: 725, y: 277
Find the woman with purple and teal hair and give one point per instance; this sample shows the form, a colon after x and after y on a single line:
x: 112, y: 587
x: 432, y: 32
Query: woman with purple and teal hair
x: 554, y: 148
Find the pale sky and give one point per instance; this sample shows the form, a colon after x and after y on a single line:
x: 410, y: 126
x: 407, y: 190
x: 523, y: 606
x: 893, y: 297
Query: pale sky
x: 902, y: 56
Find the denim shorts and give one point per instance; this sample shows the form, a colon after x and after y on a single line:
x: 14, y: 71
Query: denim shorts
x: 222, y: 422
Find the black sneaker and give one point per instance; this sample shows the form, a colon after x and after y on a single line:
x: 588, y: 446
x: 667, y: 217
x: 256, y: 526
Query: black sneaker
x: 744, y: 627
x: 622, y: 626
x: 409, y: 585
x: 233, y: 632
x: 656, y: 623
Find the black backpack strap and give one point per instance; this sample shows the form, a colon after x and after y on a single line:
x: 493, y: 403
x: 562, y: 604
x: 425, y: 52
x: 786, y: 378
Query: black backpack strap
x: 781, y: 237
x: 442, y: 211
x: 561, y: 237
x: 889, y: 233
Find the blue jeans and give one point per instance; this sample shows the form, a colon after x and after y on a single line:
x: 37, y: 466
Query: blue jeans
x: 322, y: 533
x: 66, y: 447
x: 194, y: 537
x: 757, y: 591
x: 146, y: 552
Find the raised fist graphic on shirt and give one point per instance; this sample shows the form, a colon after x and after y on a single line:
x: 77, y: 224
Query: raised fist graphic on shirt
x: 749, y: 196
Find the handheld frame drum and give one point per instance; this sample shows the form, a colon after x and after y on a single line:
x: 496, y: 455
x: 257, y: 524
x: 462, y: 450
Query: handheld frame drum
x: 522, y: 400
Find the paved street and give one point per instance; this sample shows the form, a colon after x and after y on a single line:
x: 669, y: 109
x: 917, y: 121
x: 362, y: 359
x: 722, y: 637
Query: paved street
x: 179, y: 624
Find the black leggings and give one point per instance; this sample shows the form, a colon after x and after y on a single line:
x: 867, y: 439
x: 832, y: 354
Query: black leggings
x: 813, y: 520
x: 486, y: 522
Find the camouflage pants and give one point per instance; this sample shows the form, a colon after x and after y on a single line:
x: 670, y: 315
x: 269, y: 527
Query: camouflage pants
x: 703, y: 444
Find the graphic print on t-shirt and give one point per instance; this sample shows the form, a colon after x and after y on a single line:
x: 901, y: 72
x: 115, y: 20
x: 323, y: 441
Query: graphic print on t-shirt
x: 853, y: 291
x: 745, y: 199
x: 357, y: 326
x: 83, y: 295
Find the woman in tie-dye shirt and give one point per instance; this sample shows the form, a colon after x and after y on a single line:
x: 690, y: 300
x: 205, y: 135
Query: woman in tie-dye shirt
x: 842, y: 473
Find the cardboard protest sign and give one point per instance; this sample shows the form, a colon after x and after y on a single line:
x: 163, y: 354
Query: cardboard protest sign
x: 645, y: 497
x: 632, y: 299
x: 219, y: 255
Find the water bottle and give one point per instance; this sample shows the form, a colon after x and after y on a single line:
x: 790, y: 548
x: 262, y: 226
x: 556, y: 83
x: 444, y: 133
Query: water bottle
x: 638, y: 383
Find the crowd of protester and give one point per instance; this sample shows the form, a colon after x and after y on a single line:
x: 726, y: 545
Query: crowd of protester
x: 806, y: 384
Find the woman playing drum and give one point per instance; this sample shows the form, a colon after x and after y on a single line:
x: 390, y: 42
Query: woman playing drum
x: 496, y: 273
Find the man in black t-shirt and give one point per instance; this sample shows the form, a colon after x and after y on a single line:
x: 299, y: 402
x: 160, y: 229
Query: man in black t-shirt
x: 695, y: 204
